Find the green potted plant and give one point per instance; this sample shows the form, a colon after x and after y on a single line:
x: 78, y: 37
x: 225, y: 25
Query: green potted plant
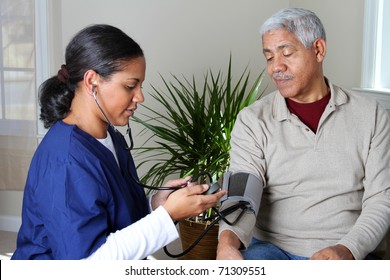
x: 192, y: 135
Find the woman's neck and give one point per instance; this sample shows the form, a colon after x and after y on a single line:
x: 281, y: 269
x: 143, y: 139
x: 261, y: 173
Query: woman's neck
x: 87, y: 122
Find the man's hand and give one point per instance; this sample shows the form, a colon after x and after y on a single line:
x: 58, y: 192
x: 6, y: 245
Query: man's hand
x: 338, y: 252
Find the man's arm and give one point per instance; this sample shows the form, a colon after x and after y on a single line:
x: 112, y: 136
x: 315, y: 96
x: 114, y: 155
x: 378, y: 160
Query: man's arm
x: 228, y: 246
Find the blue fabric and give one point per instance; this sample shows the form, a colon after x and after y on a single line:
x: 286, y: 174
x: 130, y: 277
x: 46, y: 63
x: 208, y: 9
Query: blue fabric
x: 260, y: 250
x: 76, y: 195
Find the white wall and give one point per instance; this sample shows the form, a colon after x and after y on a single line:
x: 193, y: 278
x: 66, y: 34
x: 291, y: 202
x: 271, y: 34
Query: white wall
x: 179, y: 37
x: 343, y: 21
x: 10, y: 209
x: 189, y: 36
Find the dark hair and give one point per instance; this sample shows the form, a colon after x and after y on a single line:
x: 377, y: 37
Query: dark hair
x: 102, y: 48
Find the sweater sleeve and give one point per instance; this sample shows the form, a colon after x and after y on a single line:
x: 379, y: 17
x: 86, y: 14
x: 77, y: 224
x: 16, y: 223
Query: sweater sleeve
x: 140, y: 239
x: 245, y: 156
x: 374, y: 221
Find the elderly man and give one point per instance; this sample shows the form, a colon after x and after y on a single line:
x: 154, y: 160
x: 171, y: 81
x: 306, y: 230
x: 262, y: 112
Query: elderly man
x: 317, y: 157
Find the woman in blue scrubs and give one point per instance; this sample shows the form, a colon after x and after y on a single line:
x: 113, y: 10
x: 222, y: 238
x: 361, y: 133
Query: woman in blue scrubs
x: 82, y: 199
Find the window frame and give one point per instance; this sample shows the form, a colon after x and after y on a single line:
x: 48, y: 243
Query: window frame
x: 41, y: 55
x: 369, y: 58
x: 33, y: 127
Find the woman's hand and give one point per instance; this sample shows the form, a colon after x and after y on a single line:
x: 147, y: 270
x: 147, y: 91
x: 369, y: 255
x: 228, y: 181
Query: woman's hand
x: 160, y: 197
x: 187, y: 201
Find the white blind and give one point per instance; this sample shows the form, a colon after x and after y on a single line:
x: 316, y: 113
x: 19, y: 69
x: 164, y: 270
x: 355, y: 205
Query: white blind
x: 384, y: 80
x: 375, y: 80
x: 376, y: 43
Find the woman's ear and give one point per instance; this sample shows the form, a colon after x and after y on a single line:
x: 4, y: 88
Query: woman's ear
x: 319, y: 47
x: 91, y: 81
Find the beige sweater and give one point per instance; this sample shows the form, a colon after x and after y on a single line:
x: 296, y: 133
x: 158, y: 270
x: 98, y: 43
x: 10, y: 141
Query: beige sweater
x: 319, y: 189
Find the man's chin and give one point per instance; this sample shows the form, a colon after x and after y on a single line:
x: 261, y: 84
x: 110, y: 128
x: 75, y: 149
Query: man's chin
x: 287, y: 93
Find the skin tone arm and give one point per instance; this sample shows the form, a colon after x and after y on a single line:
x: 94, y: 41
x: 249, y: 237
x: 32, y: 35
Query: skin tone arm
x: 228, y: 246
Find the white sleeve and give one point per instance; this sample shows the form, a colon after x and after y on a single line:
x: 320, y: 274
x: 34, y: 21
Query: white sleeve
x: 139, y: 240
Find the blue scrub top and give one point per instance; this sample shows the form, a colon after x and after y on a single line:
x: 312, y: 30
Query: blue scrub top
x: 76, y: 195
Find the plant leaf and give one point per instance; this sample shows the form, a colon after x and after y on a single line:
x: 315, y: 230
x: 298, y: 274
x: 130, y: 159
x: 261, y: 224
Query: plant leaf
x: 193, y: 133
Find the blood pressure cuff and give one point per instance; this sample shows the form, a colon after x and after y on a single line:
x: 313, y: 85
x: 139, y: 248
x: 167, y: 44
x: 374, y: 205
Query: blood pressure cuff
x: 243, y: 186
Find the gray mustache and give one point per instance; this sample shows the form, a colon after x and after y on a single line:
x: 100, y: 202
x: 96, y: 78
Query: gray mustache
x: 280, y: 75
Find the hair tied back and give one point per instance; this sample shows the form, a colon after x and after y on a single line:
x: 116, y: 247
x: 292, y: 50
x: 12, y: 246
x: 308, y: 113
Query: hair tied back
x: 63, y: 74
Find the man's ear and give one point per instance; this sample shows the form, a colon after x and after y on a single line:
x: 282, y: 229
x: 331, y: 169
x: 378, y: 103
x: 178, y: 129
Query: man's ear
x: 319, y: 47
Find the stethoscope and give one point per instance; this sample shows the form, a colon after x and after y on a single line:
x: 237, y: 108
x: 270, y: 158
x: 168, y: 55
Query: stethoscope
x: 213, y: 187
x: 129, y: 147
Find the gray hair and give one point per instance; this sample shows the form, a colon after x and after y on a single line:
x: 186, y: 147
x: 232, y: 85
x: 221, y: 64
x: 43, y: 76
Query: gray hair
x: 304, y: 24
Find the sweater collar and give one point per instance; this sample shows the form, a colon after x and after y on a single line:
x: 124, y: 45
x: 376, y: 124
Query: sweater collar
x: 337, y: 98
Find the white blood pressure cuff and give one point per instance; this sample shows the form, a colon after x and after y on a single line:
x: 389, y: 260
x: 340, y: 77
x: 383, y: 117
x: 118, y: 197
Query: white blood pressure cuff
x: 243, y: 186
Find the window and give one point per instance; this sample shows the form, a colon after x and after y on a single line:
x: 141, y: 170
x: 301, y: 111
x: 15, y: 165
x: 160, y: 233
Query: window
x: 17, y: 67
x: 376, y: 57
x: 22, y: 25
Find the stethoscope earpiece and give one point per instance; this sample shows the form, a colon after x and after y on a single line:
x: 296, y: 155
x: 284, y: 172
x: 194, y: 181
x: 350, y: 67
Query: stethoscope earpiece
x: 93, y: 91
